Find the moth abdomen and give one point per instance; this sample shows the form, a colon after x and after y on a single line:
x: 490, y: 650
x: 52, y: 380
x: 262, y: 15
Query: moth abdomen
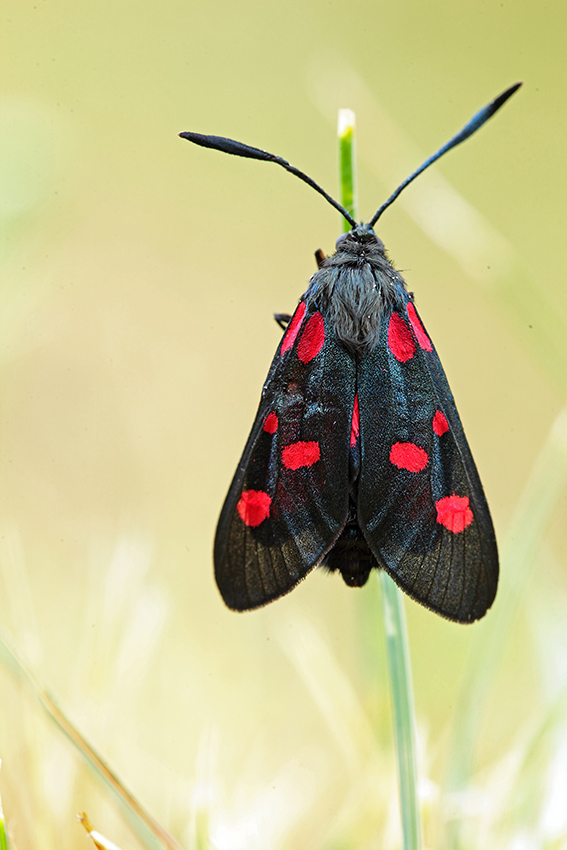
x: 351, y: 556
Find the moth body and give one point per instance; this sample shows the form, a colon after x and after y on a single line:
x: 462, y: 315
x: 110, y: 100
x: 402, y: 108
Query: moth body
x: 357, y: 459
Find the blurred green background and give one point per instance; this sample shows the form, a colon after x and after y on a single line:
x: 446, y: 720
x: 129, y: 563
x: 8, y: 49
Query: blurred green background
x: 139, y: 278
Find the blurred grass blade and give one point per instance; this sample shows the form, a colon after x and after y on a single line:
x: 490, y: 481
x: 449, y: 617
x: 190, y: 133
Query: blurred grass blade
x: 3, y: 836
x: 331, y: 692
x: 399, y: 665
x: 146, y: 826
x: 542, y: 753
x: 347, y: 164
x: 533, y: 512
x: 99, y: 841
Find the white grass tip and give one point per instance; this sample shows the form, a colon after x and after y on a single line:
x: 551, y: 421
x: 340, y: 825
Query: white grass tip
x: 347, y: 122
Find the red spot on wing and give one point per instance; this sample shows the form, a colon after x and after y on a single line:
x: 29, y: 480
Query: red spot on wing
x: 293, y: 328
x: 440, y: 424
x: 454, y: 513
x: 300, y: 454
x: 418, y: 329
x: 400, y: 339
x: 253, y: 507
x: 355, y: 425
x: 409, y: 456
x: 271, y: 423
x: 312, y: 338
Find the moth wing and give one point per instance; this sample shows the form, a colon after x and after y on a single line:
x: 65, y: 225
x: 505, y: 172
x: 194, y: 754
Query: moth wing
x: 421, y: 505
x: 288, y: 501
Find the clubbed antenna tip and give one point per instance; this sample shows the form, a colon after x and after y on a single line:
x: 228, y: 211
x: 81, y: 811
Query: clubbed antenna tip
x: 219, y: 143
x: 476, y: 122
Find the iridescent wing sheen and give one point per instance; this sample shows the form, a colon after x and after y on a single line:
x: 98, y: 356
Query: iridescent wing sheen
x: 288, y: 501
x: 421, y: 506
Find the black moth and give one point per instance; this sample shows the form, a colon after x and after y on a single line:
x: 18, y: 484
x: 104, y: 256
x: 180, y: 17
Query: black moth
x: 357, y: 458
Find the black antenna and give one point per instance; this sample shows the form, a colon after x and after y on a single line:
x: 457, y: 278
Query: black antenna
x: 219, y: 143
x: 473, y: 125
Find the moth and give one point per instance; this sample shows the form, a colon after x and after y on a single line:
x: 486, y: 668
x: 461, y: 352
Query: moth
x: 357, y: 459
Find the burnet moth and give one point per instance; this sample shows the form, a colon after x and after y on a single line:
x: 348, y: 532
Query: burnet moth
x: 357, y: 456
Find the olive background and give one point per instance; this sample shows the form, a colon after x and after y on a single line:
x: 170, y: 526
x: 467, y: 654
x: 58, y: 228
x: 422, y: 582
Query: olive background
x: 140, y: 275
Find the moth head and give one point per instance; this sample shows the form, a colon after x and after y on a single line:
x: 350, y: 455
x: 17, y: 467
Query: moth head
x: 362, y: 234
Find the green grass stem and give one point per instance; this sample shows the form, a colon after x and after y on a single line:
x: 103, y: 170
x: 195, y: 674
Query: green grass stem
x: 393, y: 612
x: 347, y: 164
x: 403, y: 710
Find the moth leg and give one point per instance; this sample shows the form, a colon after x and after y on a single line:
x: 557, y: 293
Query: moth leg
x: 283, y: 320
